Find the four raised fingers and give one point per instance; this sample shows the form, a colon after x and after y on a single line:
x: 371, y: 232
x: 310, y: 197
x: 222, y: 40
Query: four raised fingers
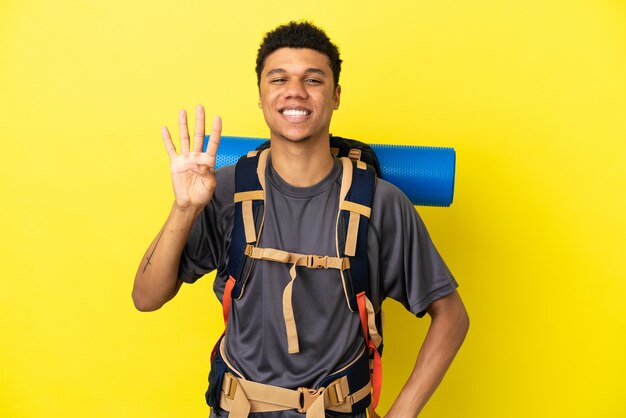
x: 209, y: 156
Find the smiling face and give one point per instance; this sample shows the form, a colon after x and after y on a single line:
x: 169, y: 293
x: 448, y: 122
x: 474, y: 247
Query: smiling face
x: 298, y: 94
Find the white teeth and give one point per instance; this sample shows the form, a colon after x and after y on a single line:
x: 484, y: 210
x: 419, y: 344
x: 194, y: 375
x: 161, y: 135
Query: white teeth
x: 295, y: 112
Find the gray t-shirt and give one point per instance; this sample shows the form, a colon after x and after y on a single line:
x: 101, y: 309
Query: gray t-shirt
x: 403, y: 262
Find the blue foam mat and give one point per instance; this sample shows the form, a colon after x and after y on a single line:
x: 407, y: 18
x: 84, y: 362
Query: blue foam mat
x: 424, y: 174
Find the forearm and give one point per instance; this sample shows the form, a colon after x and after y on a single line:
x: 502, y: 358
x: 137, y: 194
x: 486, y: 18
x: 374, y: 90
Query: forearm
x: 444, y: 338
x: 156, y: 279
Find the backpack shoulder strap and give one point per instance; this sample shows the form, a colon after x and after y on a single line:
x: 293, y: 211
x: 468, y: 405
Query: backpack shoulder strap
x: 358, y: 201
x: 249, y: 214
x: 355, y: 206
x: 355, y: 203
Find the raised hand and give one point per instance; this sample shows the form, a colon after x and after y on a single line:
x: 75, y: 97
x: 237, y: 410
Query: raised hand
x: 193, y: 172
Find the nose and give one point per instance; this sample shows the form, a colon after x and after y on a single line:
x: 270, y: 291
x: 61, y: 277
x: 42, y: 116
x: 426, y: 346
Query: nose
x: 296, y: 89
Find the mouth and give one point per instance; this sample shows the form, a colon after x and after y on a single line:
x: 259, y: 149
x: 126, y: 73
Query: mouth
x: 295, y: 114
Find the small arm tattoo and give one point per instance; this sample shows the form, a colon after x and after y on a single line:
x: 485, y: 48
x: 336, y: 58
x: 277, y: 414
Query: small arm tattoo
x: 152, y: 252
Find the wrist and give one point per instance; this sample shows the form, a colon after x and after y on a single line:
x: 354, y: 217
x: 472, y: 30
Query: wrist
x: 185, y: 213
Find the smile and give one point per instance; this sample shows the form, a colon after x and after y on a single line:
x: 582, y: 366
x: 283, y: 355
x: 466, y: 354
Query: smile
x: 295, y: 112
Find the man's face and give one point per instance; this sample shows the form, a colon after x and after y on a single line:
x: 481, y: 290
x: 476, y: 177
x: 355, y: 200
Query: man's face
x: 298, y: 94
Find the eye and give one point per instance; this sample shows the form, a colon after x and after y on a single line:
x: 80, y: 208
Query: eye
x: 278, y: 80
x: 313, y: 81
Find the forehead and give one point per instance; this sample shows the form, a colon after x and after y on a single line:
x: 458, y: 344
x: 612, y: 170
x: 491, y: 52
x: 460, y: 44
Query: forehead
x: 297, y: 59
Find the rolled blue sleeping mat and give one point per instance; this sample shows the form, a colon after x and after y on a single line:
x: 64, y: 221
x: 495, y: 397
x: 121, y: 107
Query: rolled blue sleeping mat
x: 424, y: 174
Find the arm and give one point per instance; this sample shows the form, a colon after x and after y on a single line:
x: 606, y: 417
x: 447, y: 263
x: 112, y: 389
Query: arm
x: 446, y: 333
x: 193, y: 180
x: 156, y: 278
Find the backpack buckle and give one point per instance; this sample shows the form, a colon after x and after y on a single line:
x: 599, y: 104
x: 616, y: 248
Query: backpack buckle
x: 345, y: 263
x: 229, y: 386
x: 317, y: 262
x: 338, y: 391
x: 307, y: 397
x: 354, y: 154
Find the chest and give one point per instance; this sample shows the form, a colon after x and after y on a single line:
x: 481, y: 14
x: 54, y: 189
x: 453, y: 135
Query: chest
x: 303, y: 225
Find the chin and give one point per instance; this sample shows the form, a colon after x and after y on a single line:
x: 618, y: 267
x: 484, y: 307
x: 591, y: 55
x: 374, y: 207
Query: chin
x: 293, y: 137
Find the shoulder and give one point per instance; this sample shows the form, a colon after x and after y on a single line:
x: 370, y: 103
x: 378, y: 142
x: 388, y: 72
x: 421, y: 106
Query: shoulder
x: 226, y: 174
x: 393, y: 214
x: 391, y: 201
x: 384, y: 189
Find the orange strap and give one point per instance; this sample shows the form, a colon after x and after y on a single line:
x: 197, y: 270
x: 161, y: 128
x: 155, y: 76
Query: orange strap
x: 377, y: 370
x: 377, y: 376
x: 360, y: 300
x: 226, y: 299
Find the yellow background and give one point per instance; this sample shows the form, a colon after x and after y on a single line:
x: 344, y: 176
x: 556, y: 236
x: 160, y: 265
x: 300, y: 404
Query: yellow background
x: 532, y: 94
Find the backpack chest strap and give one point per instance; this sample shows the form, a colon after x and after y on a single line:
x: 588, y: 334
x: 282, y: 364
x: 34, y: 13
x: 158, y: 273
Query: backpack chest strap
x: 296, y: 260
x: 300, y: 260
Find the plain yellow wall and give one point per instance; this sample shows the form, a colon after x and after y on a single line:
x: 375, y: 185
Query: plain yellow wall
x: 532, y: 94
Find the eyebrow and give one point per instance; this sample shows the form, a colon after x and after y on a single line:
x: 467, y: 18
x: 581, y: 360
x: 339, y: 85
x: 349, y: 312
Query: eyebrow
x: 311, y: 70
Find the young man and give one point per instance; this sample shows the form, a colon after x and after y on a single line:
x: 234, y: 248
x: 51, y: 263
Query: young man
x: 300, y: 345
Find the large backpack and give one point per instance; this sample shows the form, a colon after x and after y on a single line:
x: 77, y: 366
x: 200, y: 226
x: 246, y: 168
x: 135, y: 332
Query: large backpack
x: 360, y: 170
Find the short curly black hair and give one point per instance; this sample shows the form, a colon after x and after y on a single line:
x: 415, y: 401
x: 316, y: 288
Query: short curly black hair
x: 298, y: 35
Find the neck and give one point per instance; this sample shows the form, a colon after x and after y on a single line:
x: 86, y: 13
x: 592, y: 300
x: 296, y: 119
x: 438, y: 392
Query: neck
x: 303, y: 163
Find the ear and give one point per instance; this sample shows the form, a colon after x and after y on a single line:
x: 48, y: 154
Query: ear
x: 336, y: 97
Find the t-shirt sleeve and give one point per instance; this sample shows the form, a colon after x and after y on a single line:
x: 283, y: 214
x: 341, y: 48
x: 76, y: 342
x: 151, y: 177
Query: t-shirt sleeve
x: 409, y: 267
x: 206, y: 247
